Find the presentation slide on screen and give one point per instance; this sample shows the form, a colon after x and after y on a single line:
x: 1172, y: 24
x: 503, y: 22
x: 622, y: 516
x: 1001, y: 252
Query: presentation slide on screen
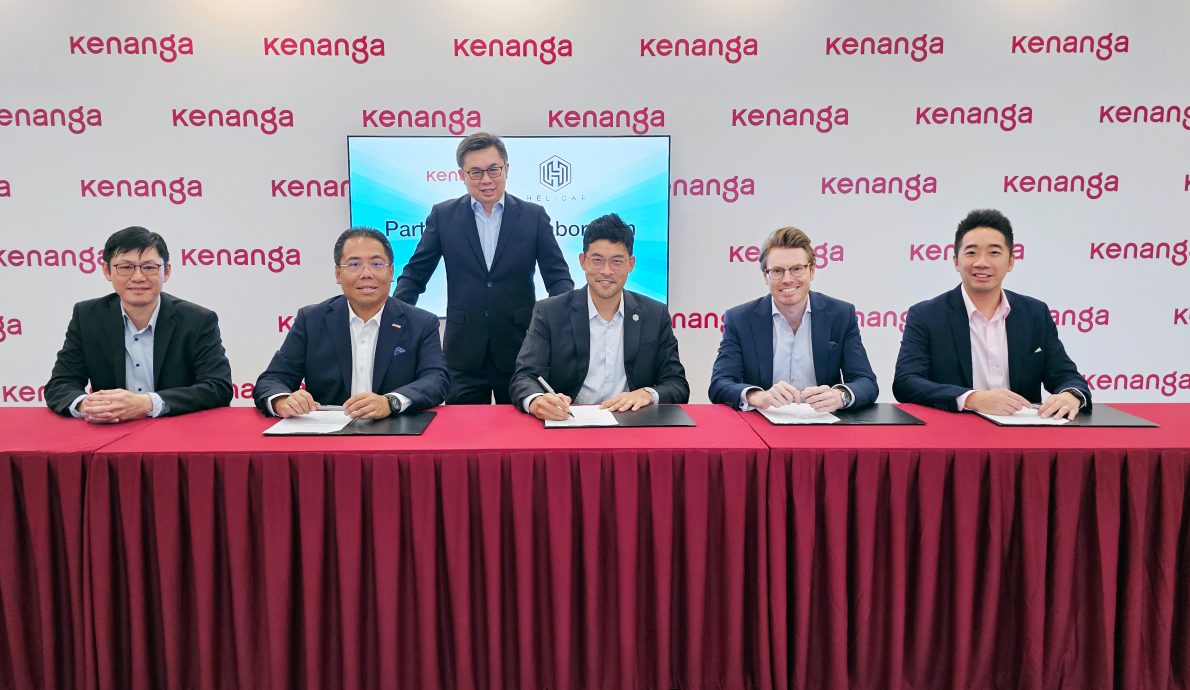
x: 396, y: 180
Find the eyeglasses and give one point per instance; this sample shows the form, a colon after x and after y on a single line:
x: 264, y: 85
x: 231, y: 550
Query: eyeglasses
x: 779, y: 273
x: 616, y: 262
x: 358, y: 266
x: 147, y: 270
x: 493, y: 172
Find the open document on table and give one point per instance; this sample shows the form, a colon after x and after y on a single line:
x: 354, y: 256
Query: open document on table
x: 584, y: 415
x: 798, y: 413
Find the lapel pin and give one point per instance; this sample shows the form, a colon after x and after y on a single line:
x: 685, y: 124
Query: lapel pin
x: 396, y: 325
x: 636, y: 317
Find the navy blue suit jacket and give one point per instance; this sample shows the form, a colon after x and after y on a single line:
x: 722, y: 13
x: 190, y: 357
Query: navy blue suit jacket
x: 934, y: 364
x: 318, y: 349
x: 486, y: 306
x: 745, y: 356
x: 190, y: 368
x: 558, y: 348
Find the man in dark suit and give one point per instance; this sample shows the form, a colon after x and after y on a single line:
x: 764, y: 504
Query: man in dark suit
x: 600, y: 344
x: 144, y: 352
x: 792, y: 345
x: 364, y: 350
x: 980, y: 347
x: 490, y: 242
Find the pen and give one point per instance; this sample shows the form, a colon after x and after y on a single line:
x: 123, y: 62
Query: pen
x: 550, y: 390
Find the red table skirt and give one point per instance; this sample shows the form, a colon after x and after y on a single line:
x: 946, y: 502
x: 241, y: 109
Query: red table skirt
x: 533, y: 569
x: 977, y: 569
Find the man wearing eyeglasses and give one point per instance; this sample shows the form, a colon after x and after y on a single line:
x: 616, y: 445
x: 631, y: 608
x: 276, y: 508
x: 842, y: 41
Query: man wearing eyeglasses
x: 792, y: 345
x: 600, y: 344
x: 491, y: 243
x: 980, y: 347
x: 364, y: 350
x: 144, y: 352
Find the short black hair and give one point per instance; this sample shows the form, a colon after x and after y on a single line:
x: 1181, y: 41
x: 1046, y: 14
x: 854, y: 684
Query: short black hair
x: 134, y: 239
x: 478, y: 142
x: 360, y: 231
x: 983, y: 218
x: 611, y: 228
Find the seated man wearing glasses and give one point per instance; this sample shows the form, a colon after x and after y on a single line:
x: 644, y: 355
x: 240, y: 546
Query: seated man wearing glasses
x: 792, y: 345
x: 144, y: 352
x: 600, y: 344
x: 364, y: 350
x: 490, y: 242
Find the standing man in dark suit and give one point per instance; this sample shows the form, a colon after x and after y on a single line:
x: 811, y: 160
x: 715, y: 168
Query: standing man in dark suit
x: 490, y: 242
x: 980, y: 347
x: 144, y: 352
x: 364, y: 350
x: 600, y: 344
x: 792, y: 345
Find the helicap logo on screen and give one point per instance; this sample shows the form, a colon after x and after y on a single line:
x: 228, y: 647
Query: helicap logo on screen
x: 87, y: 260
x: 877, y: 318
x: 1175, y: 253
x: 75, y: 120
x: 822, y: 119
x: 731, y: 49
x: 909, y: 187
x: 1006, y: 117
x: 554, y: 173
x: 454, y: 121
x: 176, y: 191
x: 1103, y: 47
x: 294, y: 188
x: 9, y: 326
x: 1178, y: 115
x: 916, y: 48
x: 359, y: 50
x: 22, y: 393
x: 268, y: 120
x: 276, y: 259
x: 1085, y: 320
x: 1168, y: 384
x: 166, y: 48
x: 696, y: 320
x: 1092, y: 186
x: 728, y: 189
x: 639, y: 121
x: 825, y: 254
x: 925, y: 251
x: 544, y: 50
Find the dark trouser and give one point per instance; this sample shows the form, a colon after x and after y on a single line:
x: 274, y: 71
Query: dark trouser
x: 476, y: 386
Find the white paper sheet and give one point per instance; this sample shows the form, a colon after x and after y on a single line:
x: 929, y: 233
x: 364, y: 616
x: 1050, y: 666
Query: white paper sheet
x: 1025, y: 417
x: 316, y: 422
x: 798, y: 413
x: 585, y: 415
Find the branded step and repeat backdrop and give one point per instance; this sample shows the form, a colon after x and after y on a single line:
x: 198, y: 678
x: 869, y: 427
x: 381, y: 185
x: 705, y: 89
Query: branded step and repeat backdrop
x: 874, y: 127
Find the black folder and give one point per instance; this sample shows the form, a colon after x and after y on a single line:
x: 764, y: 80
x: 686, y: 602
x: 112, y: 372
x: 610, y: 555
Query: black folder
x: 653, y: 415
x: 392, y: 425
x: 876, y: 414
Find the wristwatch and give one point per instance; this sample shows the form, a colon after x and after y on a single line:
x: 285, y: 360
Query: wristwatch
x: 394, y: 403
x: 847, y: 398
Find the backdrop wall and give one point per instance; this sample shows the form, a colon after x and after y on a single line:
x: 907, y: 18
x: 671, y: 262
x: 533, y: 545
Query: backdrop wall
x: 874, y: 127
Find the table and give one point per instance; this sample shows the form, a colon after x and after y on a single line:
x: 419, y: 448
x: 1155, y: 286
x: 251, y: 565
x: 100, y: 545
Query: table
x: 960, y: 554
x: 42, y: 474
x: 488, y: 552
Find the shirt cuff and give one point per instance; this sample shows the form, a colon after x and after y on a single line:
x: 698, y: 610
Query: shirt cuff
x: 74, y: 406
x: 269, y: 403
x: 159, y: 406
x: 961, y: 401
x: 656, y: 398
x: 405, y: 402
x: 529, y: 400
x: 744, y: 406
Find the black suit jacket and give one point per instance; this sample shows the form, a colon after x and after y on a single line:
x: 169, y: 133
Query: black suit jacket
x: 190, y: 368
x: 486, y: 306
x: 934, y: 364
x: 318, y: 349
x: 558, y: 348
x: 745, y: 356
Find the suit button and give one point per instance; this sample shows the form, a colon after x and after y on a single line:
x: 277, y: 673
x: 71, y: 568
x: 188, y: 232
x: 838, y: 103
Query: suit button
x: 489, y: 284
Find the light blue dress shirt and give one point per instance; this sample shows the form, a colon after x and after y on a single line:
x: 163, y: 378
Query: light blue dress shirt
x: 793, y: 353
x: 138, y: 363
x: 605, y: 371
x: 489, y: 227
